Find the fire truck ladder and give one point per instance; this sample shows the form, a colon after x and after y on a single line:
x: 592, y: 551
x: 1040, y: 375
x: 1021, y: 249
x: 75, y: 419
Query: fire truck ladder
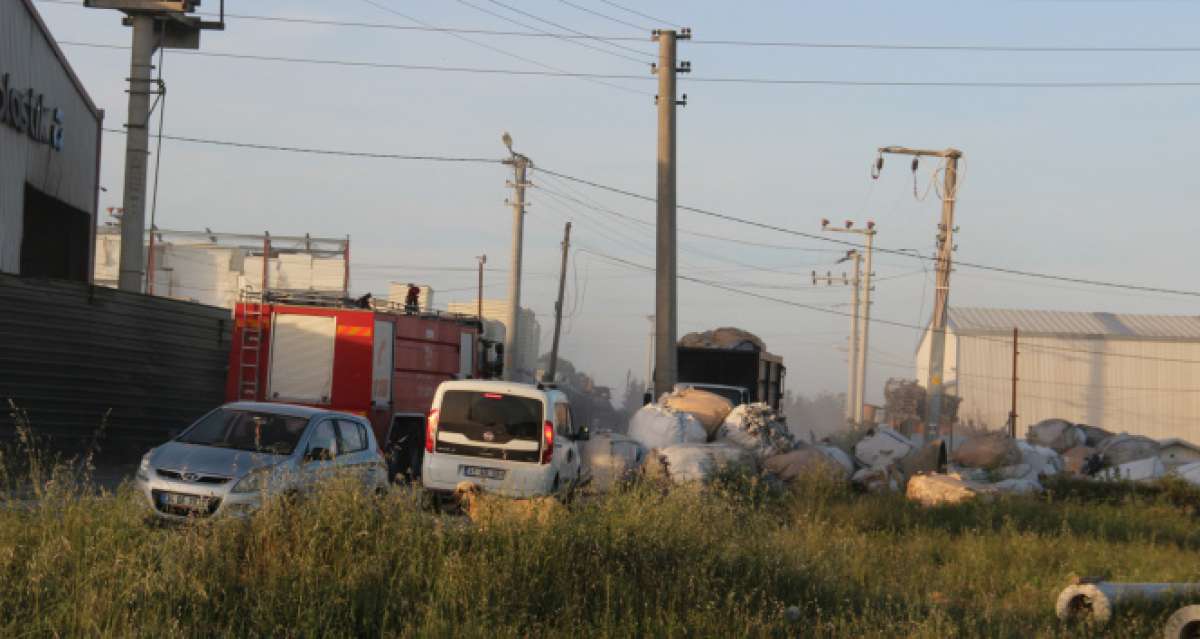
x: 250, y: 353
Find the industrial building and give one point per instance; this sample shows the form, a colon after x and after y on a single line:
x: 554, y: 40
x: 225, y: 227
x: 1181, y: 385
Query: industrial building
x: 49, y: 153
x: 1133, y: 373
x: 214, y: 268
x: 495, y: 316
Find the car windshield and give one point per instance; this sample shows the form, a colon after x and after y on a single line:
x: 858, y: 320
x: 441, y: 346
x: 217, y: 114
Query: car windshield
x: 247, y: 430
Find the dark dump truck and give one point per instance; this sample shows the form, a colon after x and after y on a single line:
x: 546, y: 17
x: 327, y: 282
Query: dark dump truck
x: 732, y: 363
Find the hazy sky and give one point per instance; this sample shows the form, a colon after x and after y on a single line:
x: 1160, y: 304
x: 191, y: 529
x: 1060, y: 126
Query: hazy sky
x: 1095, y: 183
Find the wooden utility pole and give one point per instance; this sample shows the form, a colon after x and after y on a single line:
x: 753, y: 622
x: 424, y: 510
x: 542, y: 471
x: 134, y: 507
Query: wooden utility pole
x: 479, y: 296
x: 666, y: 297
x: 1012, y: 414
x: 512, y: 331
x: 562, y: 285
x: 941, y: 300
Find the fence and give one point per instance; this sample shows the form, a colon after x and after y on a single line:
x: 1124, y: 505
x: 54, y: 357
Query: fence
x: 71, y: 352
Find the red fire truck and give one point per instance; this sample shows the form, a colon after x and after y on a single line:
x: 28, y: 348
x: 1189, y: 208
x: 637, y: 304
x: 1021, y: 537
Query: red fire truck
x: 378, y: 361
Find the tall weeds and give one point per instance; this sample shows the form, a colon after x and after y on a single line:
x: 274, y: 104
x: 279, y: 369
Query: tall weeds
x: 722, y: 562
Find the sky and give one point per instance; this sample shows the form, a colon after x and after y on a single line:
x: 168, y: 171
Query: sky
x: 1092, y: 183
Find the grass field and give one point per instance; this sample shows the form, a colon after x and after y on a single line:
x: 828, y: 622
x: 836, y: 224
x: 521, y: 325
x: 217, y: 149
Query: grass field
x: 723, y: 562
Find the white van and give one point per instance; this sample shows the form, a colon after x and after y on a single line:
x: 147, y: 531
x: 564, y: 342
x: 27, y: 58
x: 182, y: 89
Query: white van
x: 512, y: 439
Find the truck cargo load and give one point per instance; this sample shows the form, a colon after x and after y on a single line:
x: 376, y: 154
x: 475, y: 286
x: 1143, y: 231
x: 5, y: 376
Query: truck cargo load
x: 732, y: 358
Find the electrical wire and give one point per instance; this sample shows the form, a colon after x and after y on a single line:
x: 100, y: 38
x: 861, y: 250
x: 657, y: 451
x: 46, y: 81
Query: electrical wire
x: 594, y: 206
x: 604, y: 16
x: 162, y: 116
x: 876, y: 320
x: 576, y: 42
x: 569, y: 29
x: 309, y: 150
x: 730, y: 218
x: 550, y: 69
x: 695, y: 251
x: 638, y: 13
x: 869, y: 46
x: 601, y: 78
x: 823, y: 238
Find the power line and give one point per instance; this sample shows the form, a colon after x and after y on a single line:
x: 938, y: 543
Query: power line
x: 592, y: 205
x: 314, y: 151
x: 602, y: 78
x: 831, y: 311
x: 690, y: 249
x: 505, y: 18
x: 870, y: 46
x: 815, y: 236
x: 390, y: 26
x: 549, y: 68
x: 638, y: 13
x: 995, y: 48
x: 730, y: 218
x: 569, y: 29
x: 604, y: 15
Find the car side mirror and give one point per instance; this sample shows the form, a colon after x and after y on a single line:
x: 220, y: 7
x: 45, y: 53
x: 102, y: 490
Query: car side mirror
x: 317, y: 454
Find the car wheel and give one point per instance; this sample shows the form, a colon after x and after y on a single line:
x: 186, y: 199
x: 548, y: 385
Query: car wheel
x: 416, y: 456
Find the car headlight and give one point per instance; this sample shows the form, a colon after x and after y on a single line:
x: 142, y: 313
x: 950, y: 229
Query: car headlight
x: 143, y: 471
x: 256, y: 481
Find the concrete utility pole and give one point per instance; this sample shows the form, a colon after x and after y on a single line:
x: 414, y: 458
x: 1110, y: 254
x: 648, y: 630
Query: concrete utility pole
x: 852, y: 350
x: 156, y: 24
x: 941, y: 300
x: 666, y: 297
x: 861, y: 320
x: 512, y: 331
x: 865, y: 324
x: 562, y: 285
x: 137, y: 151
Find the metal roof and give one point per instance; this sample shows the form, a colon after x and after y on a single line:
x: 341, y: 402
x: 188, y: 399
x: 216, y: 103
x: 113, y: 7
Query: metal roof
x: 1069, y: 323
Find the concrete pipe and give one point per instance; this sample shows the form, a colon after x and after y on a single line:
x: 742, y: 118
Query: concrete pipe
x: 1184, y: 624
x: 1097, y: 601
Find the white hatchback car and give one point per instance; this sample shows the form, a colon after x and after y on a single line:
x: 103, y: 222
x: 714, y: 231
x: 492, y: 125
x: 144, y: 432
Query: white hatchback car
x: 512, y: 439
x: 231, y: 458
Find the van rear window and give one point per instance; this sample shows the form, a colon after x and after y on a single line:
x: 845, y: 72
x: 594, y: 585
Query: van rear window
x: 492, y: 425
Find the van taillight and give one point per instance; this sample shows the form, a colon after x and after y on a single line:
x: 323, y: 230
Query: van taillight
x: 548, y: 446
x: 431, y: 430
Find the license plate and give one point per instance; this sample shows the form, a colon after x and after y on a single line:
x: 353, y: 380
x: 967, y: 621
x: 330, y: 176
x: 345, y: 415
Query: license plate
x: 183, y: 501
x: 486, y: 473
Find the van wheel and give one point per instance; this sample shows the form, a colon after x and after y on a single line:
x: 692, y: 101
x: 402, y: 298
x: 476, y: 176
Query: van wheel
x: 562, y: 493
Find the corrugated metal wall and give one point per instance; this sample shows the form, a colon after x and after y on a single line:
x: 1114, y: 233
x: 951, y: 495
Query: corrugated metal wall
x: 69, y: 352
x: 1138, y: 386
